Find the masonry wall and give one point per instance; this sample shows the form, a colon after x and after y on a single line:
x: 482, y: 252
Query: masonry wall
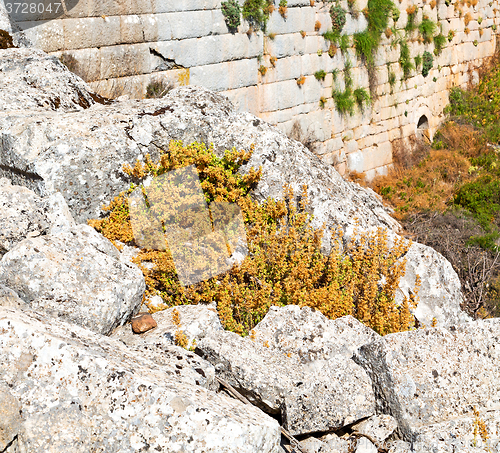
x: 120, y: 46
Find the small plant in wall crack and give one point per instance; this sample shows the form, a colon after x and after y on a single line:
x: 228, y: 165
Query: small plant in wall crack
x: 283, y: 8
x: 427, y: 28
x: 256, y: 12
x: 320, y: 75
x: 362, y: 98
x: 427, y: 62
x: 231, y: 11
x: 322, y: 102
x: 439, y: 43
x: 262, y: 70
x: 338, y: 16
x: 301, y: 80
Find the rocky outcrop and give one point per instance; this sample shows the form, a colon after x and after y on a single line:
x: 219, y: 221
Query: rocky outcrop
x: 77, y: 275
x: 312, y: 387
x: 429, y: 379
x: 80, y: 151
x: 80, y: 389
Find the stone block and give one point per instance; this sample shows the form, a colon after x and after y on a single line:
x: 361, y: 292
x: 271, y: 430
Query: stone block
x: 421, y: 377
x: 225, y: 76
x: 125, y: 60
x: 378, y: 155
x: 190, y: 24
x: 48, y: 36
x: 244, y: 99
x: 298, y: 19
x: 91, y: 32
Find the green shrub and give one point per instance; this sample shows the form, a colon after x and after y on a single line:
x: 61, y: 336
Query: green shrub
x: 231, y: 11
x: 344, y: 101
x: 332, y: 35
x: 411, y: 25
x: 405, y: 59
x: 365, y: 44
x: 338, y: 15
x: 418, y: 61
x: 256, y: 12
x: 439, y: 43
x: 362, y: 97
x: 427, y: 62
x: 481, y: 198
x: 427, y: 28
x: 320, y: 75
x: 344, y: 43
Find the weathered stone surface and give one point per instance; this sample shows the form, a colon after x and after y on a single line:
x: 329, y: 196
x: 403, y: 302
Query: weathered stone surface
x: 313, y: 396
x: 10, y: 299
x: 142, y: 323
x: 439, y: 295
x: 32, y: 80
x: 10, y: 418
x: 363, y: 445
x: 24, y: 214
x: 435, y: 375
x: 326, y: 444
x: 307, y: 335
x: 93, y: 393
x: 194, y: 321
x: 379, y: 427
x: 77, y: 275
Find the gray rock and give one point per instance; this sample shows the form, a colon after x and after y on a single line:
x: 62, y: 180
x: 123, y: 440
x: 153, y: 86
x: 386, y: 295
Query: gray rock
x: 10, y: 418
x: 439, y: 296
x: 81, y: 389
x: 308, y: 335
x: 195, y: 322
x: 311, y: 396
x: 33, y: 81
x: 363, y: 445
x: 10, y: 299
x: 77, y: 275
x: 22, y: 214
x: 430, y: 376
x: 379, y: 427
x: 4, y: 18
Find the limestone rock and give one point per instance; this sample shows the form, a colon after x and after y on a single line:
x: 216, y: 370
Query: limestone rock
x: 24, y: 214
x: 379, y: 427
x: 34, y: 81
x: 10, y: 299
x: 430, y: 376
x: 439, y: 295
x: 93, y: 393
x: 363, y: 445
x: 312, y: 397
x: 10, y: 418
x: 77, y: 275
x: 308, y: 335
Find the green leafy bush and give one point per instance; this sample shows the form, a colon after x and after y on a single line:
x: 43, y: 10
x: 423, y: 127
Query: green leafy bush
x: 256, y: 12
x: 344, y: 101
x: 231, y: 11
x: 320, y: 75
x: 427, y: 62
x: 338, y: 15
x: 427, y: 28
x: 405, y: 59
x: 362, y: 97
x: 439, y: 43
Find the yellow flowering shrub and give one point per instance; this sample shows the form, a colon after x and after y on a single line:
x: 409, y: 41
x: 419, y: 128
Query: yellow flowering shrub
x: 284, y: 264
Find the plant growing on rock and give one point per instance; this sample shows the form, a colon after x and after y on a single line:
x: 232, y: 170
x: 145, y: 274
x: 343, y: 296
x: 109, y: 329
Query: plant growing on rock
x: 284, y: 264
x: 439, y: 43
x: 344, y: 101
x: 283, y: 7
x: 427, y: 28
x: 338, y: 15
x: 320, y: 75
x: 257, y: 12
x: 301, y: 80
x: 411, y: 12
x: 405, y: 60
x: 231, y: 11
x: 317, y: 26
x: 427, y: 62
x: 362, y: 97
x: 158, y: 89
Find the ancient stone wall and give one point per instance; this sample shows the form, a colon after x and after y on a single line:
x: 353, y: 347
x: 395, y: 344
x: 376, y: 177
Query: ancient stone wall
x: 120, y: 46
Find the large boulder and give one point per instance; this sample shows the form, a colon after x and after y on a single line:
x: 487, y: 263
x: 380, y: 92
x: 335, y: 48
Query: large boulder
x: 83, y: 391
x: 313, y: 386
x: 430, y: 379
x: 77, y: 275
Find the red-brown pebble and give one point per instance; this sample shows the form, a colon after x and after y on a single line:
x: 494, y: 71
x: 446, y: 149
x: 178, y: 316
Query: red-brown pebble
x: 143, y: 323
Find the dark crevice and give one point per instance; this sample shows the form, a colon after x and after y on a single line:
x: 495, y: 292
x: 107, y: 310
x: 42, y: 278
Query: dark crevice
x: 19, y: 172
x: 101, y: 99
x: 167, y: 63
x: 9, y: 444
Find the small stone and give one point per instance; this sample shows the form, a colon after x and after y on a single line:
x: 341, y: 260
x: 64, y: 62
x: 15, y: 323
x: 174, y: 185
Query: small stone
x: 143, y: 323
